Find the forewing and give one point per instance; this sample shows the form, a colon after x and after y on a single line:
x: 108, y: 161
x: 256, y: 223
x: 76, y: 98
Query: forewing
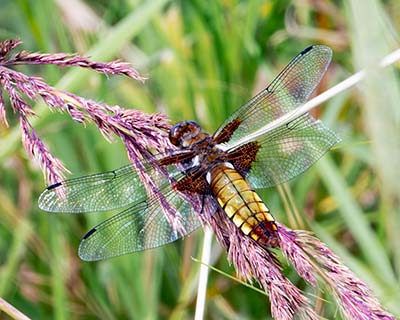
x: 289, y: 150
x: 97, y: 192
x: 142, y: 226
x: 290, y: 89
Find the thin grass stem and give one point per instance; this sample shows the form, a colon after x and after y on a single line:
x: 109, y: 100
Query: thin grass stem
x: 203, y: 277
x: 12, y: 311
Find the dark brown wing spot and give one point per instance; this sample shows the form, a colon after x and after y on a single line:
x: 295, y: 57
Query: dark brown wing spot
x: 194, y: 181
x: 227, y: 131
x: 242, y: 157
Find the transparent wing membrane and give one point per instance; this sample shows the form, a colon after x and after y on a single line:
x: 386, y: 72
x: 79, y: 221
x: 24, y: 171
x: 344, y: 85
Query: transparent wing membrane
x: 142, y: 226
x: 97, y: 192
x: 289, y: 150
x: 290, y: 89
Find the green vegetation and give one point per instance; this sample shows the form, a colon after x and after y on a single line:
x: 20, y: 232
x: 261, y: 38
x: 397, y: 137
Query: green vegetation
x: 203, y: 59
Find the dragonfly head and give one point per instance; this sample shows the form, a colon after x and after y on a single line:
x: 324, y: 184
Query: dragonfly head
x: 184, y: 134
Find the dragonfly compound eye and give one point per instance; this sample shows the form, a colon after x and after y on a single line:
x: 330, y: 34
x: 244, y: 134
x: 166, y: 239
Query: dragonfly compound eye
x: 183, y: 133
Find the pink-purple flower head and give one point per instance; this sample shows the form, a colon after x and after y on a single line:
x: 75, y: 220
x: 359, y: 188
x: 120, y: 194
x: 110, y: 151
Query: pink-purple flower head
x: 136, y: 128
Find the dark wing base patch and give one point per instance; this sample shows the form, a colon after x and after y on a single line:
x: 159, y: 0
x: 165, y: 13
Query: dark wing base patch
x: 194, y: 181
x: 227, y: 132
x: 243, y: 157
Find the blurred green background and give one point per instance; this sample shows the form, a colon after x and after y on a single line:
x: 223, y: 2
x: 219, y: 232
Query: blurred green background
x: 203, y: 60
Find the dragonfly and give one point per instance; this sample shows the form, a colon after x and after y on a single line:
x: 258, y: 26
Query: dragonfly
x: 221, y: 171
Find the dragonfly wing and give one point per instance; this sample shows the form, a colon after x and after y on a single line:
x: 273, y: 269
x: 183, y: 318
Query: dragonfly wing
x: 97, y: 192
x: 108, y: 190
x: 142, y: 226
x: 286, y: 151
x: 289, y: 150
x: 290, y: 89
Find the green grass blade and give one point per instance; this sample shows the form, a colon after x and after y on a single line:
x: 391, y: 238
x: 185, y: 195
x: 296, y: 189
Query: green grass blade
x: 355, y: 220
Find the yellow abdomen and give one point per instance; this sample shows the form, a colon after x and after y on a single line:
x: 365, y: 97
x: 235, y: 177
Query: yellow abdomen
x: 243, y: 205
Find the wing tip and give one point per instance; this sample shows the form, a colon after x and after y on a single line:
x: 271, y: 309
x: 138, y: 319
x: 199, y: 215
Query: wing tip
x: 83, y: 250
x: 43, y: 201
x: 45, y: 196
